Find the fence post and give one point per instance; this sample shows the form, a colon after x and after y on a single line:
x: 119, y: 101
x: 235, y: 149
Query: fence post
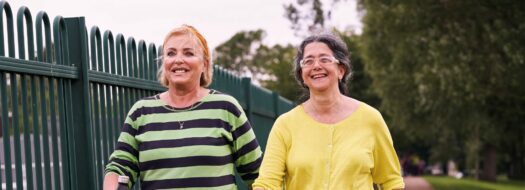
x: 82, y: 170
x: 275, y: 99
x: 247, y: 87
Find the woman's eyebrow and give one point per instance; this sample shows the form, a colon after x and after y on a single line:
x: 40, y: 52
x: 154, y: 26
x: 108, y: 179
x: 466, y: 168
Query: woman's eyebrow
x: 184, y: 49
x: 320, y: 55
x: 308, y: 56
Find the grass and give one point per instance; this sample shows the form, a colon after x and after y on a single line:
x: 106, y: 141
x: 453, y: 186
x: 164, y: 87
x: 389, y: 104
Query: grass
x: 449, y: 183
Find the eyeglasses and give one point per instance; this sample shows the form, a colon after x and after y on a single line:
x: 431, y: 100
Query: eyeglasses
x: 323, y: 60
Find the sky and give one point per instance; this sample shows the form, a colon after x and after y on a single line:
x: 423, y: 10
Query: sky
x: 217, y: 20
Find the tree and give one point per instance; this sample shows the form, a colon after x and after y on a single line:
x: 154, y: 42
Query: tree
x: 279, y: 61
x: 236, y: 54
x: 307, y: 16
x: 447, y: 72
x: 360, y: 86
x: 271, y: 67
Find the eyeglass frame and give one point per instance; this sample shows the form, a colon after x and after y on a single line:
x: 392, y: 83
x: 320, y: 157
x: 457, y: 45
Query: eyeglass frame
x: 317, y: 59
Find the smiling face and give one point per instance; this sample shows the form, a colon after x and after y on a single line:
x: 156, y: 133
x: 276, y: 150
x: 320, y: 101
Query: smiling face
x: 318, y: 76
x: 183, y: 61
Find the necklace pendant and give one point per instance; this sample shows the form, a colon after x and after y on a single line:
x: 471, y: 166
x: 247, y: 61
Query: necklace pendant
x: 182, y: 125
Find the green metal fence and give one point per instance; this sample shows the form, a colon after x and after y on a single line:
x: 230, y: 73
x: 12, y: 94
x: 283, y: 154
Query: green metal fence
x: 63, y: 99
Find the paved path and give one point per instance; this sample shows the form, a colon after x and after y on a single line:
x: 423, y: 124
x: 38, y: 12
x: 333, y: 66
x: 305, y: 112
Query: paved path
x: 416, y: 183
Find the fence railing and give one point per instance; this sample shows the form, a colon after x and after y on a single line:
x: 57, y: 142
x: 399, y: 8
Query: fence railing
x: 64, y: 93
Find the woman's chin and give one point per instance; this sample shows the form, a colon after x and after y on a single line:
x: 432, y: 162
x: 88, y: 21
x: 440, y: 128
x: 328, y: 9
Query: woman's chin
x: 319, y: 86
x: 179, y: 82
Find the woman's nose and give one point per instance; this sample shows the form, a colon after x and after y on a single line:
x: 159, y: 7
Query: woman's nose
x: 178, y: 60
x: 316, y: 65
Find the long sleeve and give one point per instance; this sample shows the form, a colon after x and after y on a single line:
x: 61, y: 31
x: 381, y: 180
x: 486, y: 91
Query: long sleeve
x: 247, y: 153
x: 386, y: 172
x: 124, y: 160
x: 274, y: 161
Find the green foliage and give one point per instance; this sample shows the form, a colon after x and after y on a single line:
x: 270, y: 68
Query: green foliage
x: 236, y: 54
x: 307, y: 16
x: 360, y: 86
x: 279, y: 60
x: 448, y: 72
x: 244, y: 54
x: 272, y: 67
x: 446, y: 183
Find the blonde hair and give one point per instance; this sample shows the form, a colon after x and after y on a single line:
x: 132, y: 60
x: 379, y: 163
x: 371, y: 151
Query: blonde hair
x: 207, y: 75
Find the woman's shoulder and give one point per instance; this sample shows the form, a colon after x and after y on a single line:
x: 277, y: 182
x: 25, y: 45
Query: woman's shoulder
x: 288, y: 121
x: 291, y: 115
x: 148, y: 101
x: 223, y: 100
x: 144, y: 101
x: 369, y: 114
x: 152, y: 97
x: 366, y: 109
x: 221, y: 97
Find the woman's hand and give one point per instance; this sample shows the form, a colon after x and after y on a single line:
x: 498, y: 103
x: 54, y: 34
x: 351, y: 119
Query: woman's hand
x: 111, y: 181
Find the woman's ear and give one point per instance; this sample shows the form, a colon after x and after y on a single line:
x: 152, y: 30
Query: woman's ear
x: 342, y: 72
x: 206, y: 66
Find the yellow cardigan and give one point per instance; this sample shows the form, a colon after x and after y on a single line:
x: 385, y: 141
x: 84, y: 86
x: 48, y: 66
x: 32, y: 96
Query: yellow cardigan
x: 351, y: 154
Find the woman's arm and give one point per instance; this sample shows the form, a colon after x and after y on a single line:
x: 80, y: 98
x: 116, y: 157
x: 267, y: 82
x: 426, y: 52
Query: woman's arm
x: 124, y: 159
x: 247, y: 153
x: 387, y: 170
x: 274, y: 161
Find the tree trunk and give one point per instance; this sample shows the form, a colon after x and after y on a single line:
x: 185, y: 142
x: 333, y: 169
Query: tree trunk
x: 489, y: 172
x: 517, y: 170
x: 517, y: 163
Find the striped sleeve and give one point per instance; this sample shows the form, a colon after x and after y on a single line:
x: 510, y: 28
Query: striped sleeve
x: 124, y: 159
x: 246, y: 151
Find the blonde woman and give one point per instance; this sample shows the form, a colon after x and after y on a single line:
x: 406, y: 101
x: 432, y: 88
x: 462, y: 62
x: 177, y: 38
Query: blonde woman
x: 189, y: 136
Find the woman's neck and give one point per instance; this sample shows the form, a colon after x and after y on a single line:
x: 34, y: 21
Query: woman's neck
x: 184, y: 97
x: 325, y: 103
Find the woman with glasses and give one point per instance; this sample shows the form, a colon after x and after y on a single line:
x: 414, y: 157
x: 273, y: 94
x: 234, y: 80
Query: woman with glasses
x: 188, y: 136
x: 330, y: 140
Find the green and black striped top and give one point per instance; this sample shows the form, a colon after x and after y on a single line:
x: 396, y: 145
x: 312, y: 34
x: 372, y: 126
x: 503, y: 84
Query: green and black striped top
x: 196, y: 147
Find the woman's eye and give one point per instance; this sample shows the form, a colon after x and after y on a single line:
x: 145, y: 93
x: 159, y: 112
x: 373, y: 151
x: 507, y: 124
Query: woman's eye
x: 189, y: 53
x: 325, y: 60
x: 170, y: 54
x: 308, y: 61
